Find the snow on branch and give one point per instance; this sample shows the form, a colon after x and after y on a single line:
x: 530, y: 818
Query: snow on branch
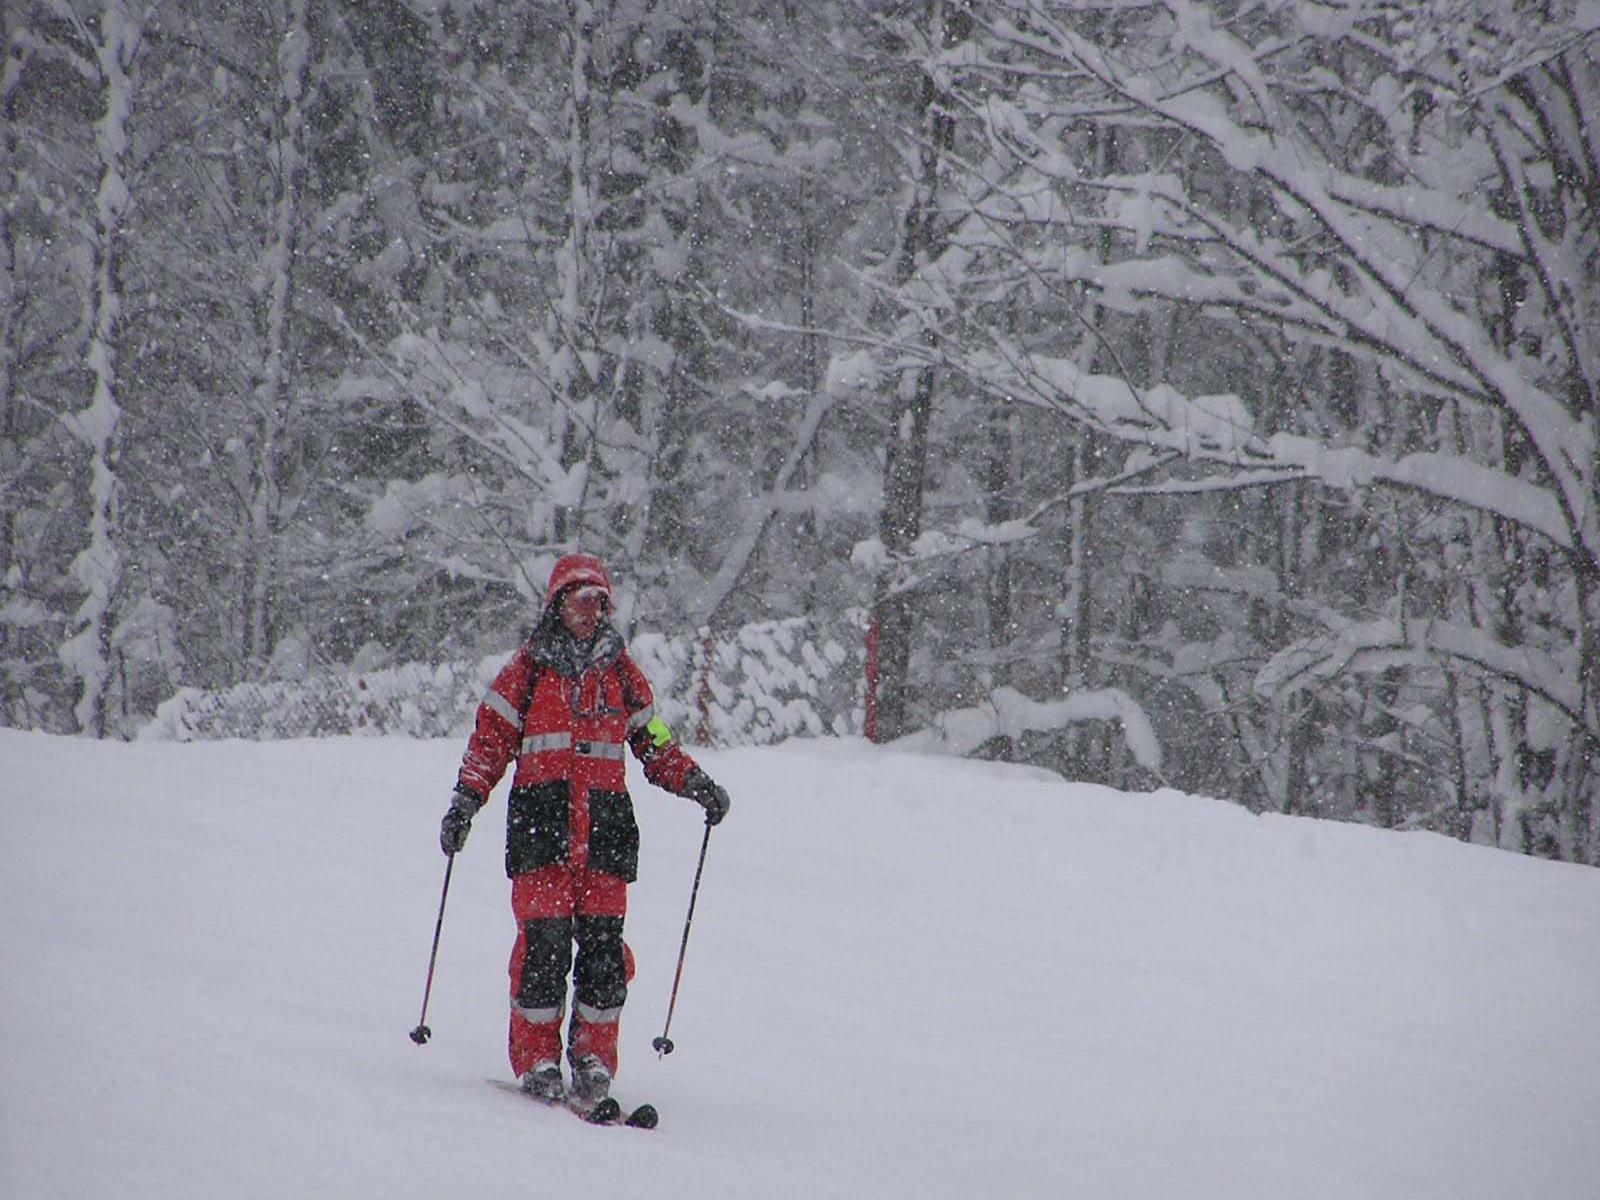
x: 761, y: 513
x: 1372, y: 646
x: 1008, y: 713
x: 1376, y: 305
x: 1447, y: 476
x: 1427, y: 208
x: 1220, y: 429
x: 1160, y: 416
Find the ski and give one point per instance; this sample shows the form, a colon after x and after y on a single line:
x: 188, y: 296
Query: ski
x: 606, y: 1112
x: 609, y: 1112
x: 601, y: 1112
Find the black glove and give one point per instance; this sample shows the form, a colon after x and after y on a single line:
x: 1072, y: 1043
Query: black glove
x: 709, y: 795
x: 457, y: 821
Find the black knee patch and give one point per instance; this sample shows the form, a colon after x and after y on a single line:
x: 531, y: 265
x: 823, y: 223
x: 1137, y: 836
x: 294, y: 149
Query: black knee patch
x: 548, y: 958
x: 602, y: 974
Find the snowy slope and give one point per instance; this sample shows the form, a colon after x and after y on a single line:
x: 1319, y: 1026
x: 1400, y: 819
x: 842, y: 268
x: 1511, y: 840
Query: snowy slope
x: 909, y: 977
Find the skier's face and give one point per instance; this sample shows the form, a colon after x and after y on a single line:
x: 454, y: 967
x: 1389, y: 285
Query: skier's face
x: 581, y: 610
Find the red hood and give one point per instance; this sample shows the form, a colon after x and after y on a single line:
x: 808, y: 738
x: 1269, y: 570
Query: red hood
x: 575, y: 569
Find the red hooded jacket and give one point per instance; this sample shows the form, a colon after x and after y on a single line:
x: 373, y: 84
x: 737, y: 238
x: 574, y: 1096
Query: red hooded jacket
x: 563, y: 710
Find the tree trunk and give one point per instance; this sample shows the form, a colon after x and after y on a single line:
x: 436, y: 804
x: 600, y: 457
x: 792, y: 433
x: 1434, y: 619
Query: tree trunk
x: 1077, y: 671
x: 577, y: 390
x: 901, y: 523
x: 1583, y: 752
x: 274, y: 389
x: 999, y: 508
x: 98, y: 568
x: 905, y: 463
x: 10, y: 294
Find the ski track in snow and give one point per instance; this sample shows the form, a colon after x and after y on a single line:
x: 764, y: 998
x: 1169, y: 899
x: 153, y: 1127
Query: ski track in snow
x: 908, y: 977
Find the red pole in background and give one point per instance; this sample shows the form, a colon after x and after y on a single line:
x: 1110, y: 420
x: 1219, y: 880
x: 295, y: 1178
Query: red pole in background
x: 870, y: 721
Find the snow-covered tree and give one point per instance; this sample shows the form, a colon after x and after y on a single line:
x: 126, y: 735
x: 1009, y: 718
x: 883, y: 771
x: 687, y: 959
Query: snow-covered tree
x: 1226, y: 372
x: 1406, y: 201
x: 91, y: 52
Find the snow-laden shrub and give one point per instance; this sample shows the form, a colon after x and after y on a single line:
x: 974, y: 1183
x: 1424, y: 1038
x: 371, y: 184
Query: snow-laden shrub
x: 751, y: 686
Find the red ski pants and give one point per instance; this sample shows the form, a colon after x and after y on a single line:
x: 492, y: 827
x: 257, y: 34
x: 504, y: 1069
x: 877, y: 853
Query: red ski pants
x: 556, y: 907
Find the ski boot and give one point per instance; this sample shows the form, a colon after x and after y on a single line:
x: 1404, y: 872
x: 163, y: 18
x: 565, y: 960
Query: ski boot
x: 544, y: 1083
x: 591, y: 1082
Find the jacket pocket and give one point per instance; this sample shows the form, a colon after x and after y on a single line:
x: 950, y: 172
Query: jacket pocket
x: 536, y: 826
x: 613, y: 835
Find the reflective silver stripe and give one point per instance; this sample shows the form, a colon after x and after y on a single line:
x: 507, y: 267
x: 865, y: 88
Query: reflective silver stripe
x: 536, y: 742
x: 597, y: 1016
x: 599, y: 749
x: 495, y: 702
x: 539, y: 1016
x: 641, y: 718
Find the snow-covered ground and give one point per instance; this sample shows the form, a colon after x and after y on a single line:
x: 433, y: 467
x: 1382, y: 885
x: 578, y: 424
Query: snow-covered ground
x: 908, y: 977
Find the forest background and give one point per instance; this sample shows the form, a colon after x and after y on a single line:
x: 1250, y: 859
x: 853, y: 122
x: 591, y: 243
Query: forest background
x: 1199, y: 393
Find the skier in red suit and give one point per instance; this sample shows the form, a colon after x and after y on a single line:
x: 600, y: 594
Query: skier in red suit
x: 563, y: 709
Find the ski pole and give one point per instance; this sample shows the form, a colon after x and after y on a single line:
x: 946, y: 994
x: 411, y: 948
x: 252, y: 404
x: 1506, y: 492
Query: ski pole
x: 422, y: 1033
x: 663, y: 1044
